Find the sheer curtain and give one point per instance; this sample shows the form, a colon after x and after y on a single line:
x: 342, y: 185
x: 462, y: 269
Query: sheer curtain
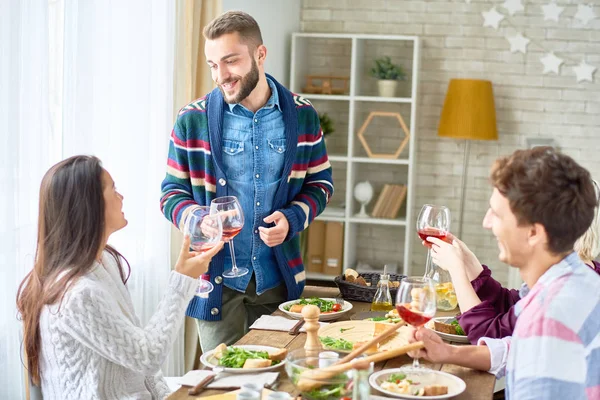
x: 27, y: 151
x: 118, y: 105
x: 192, y: 80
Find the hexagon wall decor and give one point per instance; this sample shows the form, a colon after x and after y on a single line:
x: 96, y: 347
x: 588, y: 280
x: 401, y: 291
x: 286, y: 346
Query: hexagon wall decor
x: 363, y: 128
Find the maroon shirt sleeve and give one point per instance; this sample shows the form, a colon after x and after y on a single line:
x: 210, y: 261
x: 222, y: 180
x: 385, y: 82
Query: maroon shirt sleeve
x: 483, y: 320
x: 494, y: 317
x: 489, y: 289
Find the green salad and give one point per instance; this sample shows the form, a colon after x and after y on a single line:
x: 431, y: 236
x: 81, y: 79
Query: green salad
x: 457, y: 327
x: 333, y: 391
x: 235, y: 357
x: 324, y: 305
x: 337, y: 344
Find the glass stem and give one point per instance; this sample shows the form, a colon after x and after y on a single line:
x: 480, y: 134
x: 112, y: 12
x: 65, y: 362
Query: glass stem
x: 416, y: 363
x: 234, y: 267
x: 428, y: 264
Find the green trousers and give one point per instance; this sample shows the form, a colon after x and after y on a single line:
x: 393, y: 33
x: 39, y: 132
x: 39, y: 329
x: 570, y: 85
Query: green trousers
x: 238, y: 312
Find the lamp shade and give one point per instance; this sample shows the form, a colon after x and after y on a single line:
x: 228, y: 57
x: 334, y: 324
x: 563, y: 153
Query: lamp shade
x: 469, y: 111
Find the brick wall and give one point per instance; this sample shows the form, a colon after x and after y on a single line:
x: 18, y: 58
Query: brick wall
x: 528, y: 104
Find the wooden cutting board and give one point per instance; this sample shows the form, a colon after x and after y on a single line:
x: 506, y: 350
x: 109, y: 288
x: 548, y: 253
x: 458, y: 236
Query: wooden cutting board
x: 363, y: 331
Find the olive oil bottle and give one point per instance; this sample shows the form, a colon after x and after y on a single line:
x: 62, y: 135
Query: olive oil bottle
x: 382, y: 301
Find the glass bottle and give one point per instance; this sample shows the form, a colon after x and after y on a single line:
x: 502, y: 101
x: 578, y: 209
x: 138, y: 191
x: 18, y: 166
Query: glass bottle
x: 361, y: 390
x: 382, y: 301
x: 444, y: 289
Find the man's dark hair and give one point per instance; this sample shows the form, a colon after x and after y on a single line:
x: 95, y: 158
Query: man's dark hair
x: 547, y: 187
x: 235, y: 21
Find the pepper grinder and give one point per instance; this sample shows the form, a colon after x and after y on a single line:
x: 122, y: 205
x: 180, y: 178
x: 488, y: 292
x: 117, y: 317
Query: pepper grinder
x: 312, y: 347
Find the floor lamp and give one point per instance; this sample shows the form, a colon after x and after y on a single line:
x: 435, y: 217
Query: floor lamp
x: 468, y: 114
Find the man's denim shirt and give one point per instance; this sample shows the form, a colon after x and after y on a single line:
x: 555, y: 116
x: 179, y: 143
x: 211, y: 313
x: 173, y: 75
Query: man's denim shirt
x: 253, y: 153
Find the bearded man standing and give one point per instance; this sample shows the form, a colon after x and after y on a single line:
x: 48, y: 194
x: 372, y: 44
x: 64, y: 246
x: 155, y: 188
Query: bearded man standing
x: 253, y: 139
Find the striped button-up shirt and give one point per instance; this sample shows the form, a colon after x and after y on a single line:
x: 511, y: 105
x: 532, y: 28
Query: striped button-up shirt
x: 554, y: 352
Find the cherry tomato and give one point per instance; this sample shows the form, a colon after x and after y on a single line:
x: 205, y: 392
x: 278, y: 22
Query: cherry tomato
x: 345, y: 398
x: 337, y: 307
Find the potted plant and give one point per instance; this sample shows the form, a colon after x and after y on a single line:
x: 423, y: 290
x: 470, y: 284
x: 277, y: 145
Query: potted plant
x: 388, y: 74
x: 326, y: 124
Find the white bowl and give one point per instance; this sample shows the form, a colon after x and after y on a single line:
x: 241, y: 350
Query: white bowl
x: 347, y: 306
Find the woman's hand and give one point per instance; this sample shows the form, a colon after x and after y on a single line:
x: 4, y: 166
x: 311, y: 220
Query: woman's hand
x: 455, y: 257
x: 193, y: 263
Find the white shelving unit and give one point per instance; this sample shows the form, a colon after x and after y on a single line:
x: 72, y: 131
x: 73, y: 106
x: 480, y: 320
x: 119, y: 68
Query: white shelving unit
x: 352, y: 55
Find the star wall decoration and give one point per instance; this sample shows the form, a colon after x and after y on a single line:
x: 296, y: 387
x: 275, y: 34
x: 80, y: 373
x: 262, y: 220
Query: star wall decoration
x: 585, y: 14
x: 551, y: 63
x: 518, y: 43
x: 552, y: 12
x: 513, y: 6
x: 492, y: 18
x: 584, y: 72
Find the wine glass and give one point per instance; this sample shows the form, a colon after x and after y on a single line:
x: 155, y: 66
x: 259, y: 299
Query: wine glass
x: 229, y: 210
x: 416, y: 304
x: 205, y: 232
x: 433, y: 221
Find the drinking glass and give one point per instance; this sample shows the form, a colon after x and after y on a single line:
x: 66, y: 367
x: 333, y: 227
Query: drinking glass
x: 205, y: 232
x: 416, y: 304
x: 230, y: 212
x: 433, y: 221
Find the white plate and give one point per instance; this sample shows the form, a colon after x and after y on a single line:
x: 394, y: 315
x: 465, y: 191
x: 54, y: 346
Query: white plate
x: 429, y: 377
x: 322, y: 317
x: 447, y: 336
x: 211, y: 362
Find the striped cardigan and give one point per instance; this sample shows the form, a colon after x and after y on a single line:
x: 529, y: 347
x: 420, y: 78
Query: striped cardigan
x: 195, y: 176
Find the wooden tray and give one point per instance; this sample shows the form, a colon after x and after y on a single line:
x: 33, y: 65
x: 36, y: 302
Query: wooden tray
x: 363, y: 331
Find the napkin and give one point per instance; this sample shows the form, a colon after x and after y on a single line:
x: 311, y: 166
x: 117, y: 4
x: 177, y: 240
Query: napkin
x: 277, y: 323
x: 225, y: 380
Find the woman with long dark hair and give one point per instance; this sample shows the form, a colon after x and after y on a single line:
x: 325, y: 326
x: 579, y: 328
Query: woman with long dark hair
x: 81, y: 335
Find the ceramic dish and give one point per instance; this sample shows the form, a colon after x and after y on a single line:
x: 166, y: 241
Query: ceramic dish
x: 447, y: 336
x: 211, y: 362
x: 428, y: 377
x: 347, y: 306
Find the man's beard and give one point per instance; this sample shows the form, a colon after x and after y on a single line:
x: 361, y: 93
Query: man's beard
x: 246, y: 84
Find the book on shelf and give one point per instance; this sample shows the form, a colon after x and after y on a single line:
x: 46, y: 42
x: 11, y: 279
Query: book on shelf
x: 389, y: 201
x: 397, y: 200
x: 379, y: 204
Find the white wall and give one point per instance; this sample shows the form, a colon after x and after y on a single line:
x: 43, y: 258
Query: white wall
x: 277, y: 20
x: 528, y: 103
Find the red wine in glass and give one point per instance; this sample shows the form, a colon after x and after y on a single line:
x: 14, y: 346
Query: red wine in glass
x: 230, y: 233
x: 229, y: 209
x: 433, y: 232
x: 433, y: 221
x: 205, y: 231
x: 415, y: 302
x: 410, y: 317
x: 202, y: 248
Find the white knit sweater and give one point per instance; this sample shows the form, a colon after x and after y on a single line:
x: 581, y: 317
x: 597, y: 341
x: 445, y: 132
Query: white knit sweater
x: 93, y: 346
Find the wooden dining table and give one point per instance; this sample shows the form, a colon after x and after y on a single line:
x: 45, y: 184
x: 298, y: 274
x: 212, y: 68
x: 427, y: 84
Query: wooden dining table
x: 480, y: 385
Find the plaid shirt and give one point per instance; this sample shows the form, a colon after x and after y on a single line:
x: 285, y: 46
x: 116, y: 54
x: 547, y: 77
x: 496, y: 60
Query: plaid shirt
x: 554, y: 352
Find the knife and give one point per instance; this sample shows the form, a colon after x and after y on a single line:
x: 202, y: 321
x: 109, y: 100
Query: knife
x: 296, y: 328
x: 201, y: 385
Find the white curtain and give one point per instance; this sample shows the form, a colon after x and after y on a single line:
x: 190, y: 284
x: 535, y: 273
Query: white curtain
x: 118, y: 105
x: 27, y: 150
x: 105, y: 88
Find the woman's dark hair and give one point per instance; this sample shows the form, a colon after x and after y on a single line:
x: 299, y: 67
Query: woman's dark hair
x: 70, y: 237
